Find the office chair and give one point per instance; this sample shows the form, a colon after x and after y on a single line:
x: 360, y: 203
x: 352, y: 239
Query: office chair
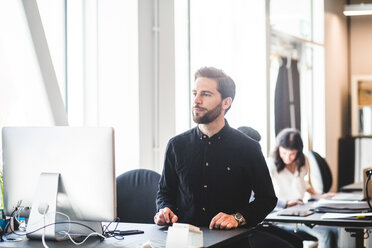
x: 321, y: 176
x: 251, y: 132
x: 136, y: 192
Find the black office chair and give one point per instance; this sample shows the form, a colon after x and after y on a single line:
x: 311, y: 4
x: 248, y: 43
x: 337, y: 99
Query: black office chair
x: 320, y: 167
x: 251, y: 132
x: 136, y: 192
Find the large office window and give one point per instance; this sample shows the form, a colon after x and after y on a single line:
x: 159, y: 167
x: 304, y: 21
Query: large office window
x: 102, y: 81
x: 233, y: 39
x: 90, y: 50
x: 23, y: 96
x: 94, y: 49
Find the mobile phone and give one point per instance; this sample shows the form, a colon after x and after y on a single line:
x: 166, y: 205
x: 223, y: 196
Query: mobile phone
x: 127, y: 232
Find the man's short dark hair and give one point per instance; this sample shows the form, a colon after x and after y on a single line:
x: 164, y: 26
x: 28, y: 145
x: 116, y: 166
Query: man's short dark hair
x: 225, y: 85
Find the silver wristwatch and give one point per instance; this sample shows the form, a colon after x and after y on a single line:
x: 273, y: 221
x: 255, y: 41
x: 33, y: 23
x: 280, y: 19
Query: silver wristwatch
x: 239, y: 218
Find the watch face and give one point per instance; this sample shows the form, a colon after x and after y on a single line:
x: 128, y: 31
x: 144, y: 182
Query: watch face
x: 239, y: 217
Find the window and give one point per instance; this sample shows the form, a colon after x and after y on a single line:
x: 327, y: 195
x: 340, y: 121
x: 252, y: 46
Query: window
x: 296, y: 32
x: 234, y: 41
x: 102, y: 82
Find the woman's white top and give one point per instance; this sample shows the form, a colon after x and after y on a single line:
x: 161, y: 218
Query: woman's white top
x: 288, y: 185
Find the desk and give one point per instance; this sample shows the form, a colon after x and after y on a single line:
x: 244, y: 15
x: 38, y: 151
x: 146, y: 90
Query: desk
x: 352, y: 225
x: 154, y: 233
x: 352, y: 187
x: 315, y: 219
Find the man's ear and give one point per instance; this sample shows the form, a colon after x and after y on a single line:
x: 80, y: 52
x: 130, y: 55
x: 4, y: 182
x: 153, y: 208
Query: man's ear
x: 226, y: 103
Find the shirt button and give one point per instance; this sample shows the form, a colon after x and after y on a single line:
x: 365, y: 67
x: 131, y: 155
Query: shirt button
x: 203, y: 209
x: 206, y: 164
x: 219, y: 137
x: 205, y: 186
x: 204, y: 136
x: 209, y: 142
x: 228, y: 168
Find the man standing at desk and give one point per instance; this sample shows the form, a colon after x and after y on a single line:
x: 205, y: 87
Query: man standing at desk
x: 210, y: 171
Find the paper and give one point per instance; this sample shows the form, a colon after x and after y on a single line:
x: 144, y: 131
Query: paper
x: 341, y: 204
x: 182, y: 235
x: 343, y: 216
x: 348, y: 196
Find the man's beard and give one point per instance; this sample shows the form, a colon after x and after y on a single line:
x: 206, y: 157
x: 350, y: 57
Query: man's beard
x: 209, y: 116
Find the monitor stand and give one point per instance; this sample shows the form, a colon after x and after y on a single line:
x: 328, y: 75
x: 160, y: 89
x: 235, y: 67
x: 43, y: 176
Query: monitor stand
x: 44, y: 220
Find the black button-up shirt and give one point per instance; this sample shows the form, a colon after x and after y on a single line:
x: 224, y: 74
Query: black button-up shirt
x: 203, y: 176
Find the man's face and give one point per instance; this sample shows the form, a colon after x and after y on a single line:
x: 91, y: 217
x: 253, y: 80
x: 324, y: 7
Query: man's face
x: 207, y: 103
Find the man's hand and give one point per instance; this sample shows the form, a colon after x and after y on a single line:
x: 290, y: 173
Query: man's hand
x: 165, y: 216
x: 223, y: 221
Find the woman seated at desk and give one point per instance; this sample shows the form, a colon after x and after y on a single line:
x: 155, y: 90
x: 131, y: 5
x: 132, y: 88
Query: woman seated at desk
x: 288, y: 168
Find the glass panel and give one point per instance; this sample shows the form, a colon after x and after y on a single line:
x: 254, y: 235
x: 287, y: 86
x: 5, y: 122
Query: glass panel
x: 103, y: 72
x: 292, y: 17
x: 23, y: 98
x: 318, y: 21
x: 118, y: 104
x: 182, y: 85
x: 233, y: 39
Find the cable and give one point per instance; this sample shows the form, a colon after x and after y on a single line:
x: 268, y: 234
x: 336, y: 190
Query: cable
x: 104, y: 235
x: 43, y: 236
x: 68, y: 219
x: 105, y: 228
x: 55, y: 223
x: 366, y: 234
x: 368, y: 173
x: 82, y: 242
x: 111, y: 233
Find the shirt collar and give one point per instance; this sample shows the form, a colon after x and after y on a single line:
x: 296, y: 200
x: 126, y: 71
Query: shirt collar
x: 217, y: 136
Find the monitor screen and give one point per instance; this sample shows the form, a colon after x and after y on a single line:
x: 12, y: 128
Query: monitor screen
x: 81, y: 157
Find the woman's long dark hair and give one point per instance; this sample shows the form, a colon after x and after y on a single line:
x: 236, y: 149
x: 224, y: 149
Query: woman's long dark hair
x: 289, y: 138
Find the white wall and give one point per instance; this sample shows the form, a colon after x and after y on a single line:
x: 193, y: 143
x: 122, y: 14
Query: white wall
x: 360, y: 45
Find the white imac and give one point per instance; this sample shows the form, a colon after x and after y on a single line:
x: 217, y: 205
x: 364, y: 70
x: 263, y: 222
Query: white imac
x: 51, y: 172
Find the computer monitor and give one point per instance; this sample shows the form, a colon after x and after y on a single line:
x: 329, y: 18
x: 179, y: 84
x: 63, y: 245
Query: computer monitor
x: 51, y: 172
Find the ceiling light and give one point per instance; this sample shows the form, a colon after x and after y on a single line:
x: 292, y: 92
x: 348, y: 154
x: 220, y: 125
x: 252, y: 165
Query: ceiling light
x: 358, y: 9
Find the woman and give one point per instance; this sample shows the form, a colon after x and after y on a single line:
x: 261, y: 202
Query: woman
x: 266, y: 235
x: 289, y: 169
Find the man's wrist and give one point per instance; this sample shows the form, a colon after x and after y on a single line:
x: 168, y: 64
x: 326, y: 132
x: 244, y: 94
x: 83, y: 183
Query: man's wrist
x: 239, y: 218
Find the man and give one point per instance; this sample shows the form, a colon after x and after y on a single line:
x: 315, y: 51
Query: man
x: 211, y: 170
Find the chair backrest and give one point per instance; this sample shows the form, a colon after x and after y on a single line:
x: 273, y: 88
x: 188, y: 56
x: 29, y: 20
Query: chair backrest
x: 319, y: 168
x: 251, y: 132
x: 136, y: 193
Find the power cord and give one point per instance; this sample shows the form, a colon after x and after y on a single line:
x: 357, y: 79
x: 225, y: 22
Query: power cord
x: 82, y: 242
x: 368, y: 174
x: 43, y: 210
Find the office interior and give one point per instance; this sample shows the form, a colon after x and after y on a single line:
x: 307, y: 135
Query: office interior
x: 130, y: 64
